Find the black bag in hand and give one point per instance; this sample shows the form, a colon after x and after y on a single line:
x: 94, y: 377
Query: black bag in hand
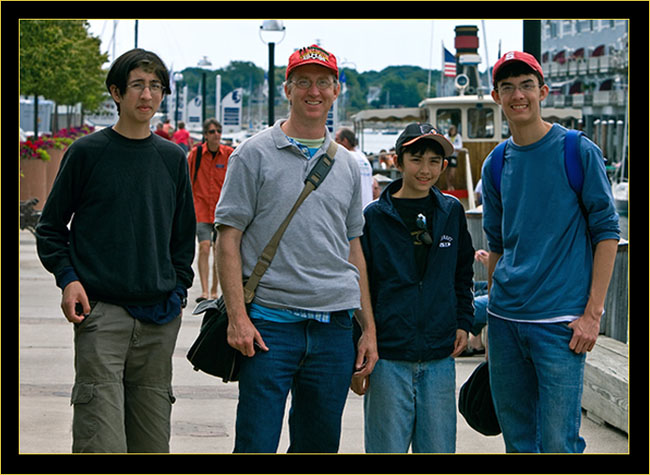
x: 475, y: 402
x: 211, y: 352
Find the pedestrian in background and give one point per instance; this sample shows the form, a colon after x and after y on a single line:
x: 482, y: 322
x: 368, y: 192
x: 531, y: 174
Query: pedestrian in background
x: 182, y: 137
x: 208, y: 162
x: 346, y: 137
x: 124, y: 265
x: 457, y: 141
x: 159, y: 131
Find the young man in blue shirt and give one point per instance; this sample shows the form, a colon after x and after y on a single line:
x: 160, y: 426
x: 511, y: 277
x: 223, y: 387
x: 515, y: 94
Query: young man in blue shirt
x: 419, y: 257
x: 549, y: 267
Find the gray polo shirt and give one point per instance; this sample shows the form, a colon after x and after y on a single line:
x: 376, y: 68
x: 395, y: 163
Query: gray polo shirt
x: 310, y: 270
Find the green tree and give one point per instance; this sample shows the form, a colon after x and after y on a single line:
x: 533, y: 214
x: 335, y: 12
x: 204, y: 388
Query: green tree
x: 60, y: 60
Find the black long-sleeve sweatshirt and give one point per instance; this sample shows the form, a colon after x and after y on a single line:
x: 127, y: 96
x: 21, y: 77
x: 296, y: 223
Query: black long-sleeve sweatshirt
x: 131, y: 238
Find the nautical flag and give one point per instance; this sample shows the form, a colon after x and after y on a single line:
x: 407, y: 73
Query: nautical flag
x: 448, y: 64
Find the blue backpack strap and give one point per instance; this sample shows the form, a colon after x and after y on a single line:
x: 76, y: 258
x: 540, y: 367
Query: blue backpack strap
x: 496, y: 164
x: 573, y: 167
x: 572, y: 161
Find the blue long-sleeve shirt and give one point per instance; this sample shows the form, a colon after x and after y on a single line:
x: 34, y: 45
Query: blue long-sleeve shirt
x: 537, y: 225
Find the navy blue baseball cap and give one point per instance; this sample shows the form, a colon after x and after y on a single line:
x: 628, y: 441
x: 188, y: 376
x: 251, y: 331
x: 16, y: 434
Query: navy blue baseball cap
x: 422, y: 131
x: 475, y: 402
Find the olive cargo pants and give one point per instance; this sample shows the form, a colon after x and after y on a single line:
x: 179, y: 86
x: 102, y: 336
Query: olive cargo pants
x: 122, y: 394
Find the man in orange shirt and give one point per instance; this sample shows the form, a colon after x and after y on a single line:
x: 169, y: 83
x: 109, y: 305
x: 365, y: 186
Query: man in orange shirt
x: 207, y: 180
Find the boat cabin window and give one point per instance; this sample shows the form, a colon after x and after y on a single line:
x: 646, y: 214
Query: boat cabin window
x: 445, y: 118
x: 480, y: 122
x: 505, y: 129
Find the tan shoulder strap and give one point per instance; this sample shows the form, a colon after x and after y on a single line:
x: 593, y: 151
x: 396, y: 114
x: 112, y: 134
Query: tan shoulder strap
x: 315, y: 178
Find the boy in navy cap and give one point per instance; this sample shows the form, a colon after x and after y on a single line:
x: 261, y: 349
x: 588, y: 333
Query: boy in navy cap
x: 419, y: 257
x: 548, y: 285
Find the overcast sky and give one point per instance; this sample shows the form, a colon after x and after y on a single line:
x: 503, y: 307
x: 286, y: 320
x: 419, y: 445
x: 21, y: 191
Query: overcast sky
x: 360, y: 44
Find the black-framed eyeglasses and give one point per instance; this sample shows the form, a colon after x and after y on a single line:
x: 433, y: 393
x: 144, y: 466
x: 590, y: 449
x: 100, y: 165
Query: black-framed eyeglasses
x: 321, y: 84
x: 213, y: 131
x: 155, y: 87
x: 509, y: 89
x: 423, y: 237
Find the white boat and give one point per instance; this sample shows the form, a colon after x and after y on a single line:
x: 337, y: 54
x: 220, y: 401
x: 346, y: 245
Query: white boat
x: 478, y: 119
x: 619, y: 190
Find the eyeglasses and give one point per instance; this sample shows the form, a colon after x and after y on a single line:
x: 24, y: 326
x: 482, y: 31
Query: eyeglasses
x: 213, y: 131
x: 139, y: 86
x: 526, y: 88
x: 423, y: 237
x: 321, y: 84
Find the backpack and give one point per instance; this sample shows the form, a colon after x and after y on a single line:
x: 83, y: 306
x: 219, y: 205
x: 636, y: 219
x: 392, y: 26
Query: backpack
x: 572, y: 164
x: 197, y: 162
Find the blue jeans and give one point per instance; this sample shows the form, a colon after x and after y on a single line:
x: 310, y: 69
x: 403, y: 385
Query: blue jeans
x: 536, y: 385
x: 411, y: 403
x: 315, y: 362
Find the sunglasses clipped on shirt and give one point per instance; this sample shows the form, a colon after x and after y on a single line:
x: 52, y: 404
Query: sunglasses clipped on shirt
x: 424, y: 237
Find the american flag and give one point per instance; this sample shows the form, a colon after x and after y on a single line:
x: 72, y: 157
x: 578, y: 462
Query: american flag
x: 448, y: 64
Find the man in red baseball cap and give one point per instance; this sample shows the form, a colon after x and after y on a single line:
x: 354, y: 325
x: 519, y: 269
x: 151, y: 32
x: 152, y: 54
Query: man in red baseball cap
x: 313, y: 54
x: 296, y: 335
x: 552, y: 251
x: 519, y: 89
x: 312, y: 87
x: 518, y: 56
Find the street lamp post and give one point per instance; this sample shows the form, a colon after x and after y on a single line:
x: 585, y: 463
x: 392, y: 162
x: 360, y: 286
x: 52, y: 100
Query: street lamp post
x: 178, y: 78
x: 268, y: 32
x: 204, y: 63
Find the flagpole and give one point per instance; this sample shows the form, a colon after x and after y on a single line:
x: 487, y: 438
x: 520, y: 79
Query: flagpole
x: 487, y: 60
x: 430, y: 62
x: 442, y: 72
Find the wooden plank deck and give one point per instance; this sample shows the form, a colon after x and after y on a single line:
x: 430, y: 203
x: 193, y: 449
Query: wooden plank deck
x: 605, y: 395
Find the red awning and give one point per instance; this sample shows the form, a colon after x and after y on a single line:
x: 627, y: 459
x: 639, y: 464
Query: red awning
x: 576, y: 88
x: 599, y: 51
x: 579, y: 53
x: 606, y: 85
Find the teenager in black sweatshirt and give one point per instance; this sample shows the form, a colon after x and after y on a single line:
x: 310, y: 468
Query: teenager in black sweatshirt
x: 124, y: 264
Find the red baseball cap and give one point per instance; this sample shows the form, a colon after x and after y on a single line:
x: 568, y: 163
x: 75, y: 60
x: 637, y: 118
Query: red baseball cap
x: 313, y: 54
x: 526, y: 58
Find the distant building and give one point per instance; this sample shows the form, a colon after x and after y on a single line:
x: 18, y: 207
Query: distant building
x: 586, y: 64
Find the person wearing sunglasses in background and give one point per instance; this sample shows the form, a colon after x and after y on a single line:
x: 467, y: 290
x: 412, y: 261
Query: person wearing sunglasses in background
x: 124, y: 264
x: 419, y: 258
x: 208, y: 162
